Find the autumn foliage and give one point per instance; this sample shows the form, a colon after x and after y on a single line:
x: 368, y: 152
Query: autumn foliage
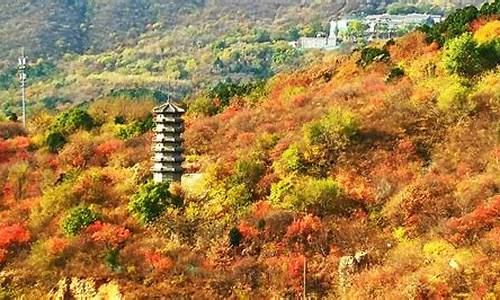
x: 10, y: 236
x: 376, y: 171
x: 108, y: 234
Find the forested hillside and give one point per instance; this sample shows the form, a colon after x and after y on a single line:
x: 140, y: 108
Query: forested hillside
x: 52, y: 28
x: 364, y: 175
x: 80, y: 50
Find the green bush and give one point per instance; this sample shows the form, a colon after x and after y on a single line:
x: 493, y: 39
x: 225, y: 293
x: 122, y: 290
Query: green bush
x: 455, y: 98
x: 461, y: 56
x: 152, y: 199
x: 305, y: 194
x: 71, y: 120
x: 291, y: 161
x: 488, y: 9
x: 394, y: 74
x: 248, y: 172
x: 140, y: 93
x: 77, y: 219
x: 371, y: 54
x: 227, y: 89
x: 235, y: 237
x: 489, y: 54
x: 202, y: 106
x: 323, y: 141
x: 112, y: 259
x: 457, y: 22
x: 334, y: 131
x: 136, y: 128
x: 55, y: 140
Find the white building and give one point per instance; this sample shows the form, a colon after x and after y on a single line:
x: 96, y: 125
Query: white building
x: 378, y: 26
x: 327, y: 42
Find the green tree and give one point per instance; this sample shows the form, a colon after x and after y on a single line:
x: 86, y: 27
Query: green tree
x: 18, y: 179
x: 334, y: 131
x: 235, y: 237
x: 152, y: 199
x: 77, y: 219
x: 71, y: 120
x: 260, y: 35
x: 356, y: 30
x: 461, y: 56
x: 371, y: 54
x: 55, y: 140
x: 305, y: 194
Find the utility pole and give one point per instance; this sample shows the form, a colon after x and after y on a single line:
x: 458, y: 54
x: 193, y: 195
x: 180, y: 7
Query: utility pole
x: 22, y: 78
x: 305, y: 278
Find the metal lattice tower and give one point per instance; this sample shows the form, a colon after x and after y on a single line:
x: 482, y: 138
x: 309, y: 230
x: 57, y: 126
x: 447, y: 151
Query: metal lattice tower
x: 22, y: 64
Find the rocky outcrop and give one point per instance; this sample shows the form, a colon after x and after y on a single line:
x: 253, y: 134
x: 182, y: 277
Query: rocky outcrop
x: 84, y: 289
x: 350, y: 265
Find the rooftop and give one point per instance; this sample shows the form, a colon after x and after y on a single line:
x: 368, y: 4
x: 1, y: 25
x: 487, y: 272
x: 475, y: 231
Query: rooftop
x: 169, y: 107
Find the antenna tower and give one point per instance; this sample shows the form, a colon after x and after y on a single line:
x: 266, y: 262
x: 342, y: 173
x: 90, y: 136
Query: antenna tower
x: 22, y: 63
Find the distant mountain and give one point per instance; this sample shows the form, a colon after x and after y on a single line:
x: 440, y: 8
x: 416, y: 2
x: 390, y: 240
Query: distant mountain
x: 51, y: 28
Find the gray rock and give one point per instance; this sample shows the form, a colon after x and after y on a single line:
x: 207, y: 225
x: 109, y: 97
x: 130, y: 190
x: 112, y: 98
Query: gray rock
x: 350, y: 265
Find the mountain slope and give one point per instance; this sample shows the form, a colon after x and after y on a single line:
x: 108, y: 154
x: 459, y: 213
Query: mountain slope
x: 368, y: 175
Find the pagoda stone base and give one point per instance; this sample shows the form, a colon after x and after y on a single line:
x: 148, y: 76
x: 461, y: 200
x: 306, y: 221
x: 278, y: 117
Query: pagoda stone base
x: 166, y: 177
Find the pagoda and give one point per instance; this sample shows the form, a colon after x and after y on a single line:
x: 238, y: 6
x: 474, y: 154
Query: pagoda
x: 167, y: 143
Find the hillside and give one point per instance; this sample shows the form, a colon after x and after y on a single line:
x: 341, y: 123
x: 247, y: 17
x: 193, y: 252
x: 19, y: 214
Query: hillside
x: 50, y: 29
x: 81, y: 50
x: 377, y: 170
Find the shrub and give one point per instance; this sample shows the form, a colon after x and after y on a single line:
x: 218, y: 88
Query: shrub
x: 203, y: 106
x: 225, y: 90
x: 13, y: 234
x: 108, y: 234
x: 461, y: 56
x: 317, y: 196
x: 247, y: 172
x: 454, y: 25
x: 468, y: 227
x: 454, y: 98
x: 235, y: 237
x: 291, y: 160
x: 55, y: 140
x: 488, y: 32
x: 54, y: 200
x: 371, y: 54
x: 48, y: 253
x: 492, y: 8
x: 77, y: 219
x: 304, y: 227
x: 437, y: 249
x: 247, y: 230
x: 151, y: 201
x: 18, y: 179
x: 136, y: 128
x: 333, y: 131
x: 159, y: 262
x: 71, y: 120
x: 112, y: 259
x: 10, y: 130
x: 93, y: 187
x: 394, y: 74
